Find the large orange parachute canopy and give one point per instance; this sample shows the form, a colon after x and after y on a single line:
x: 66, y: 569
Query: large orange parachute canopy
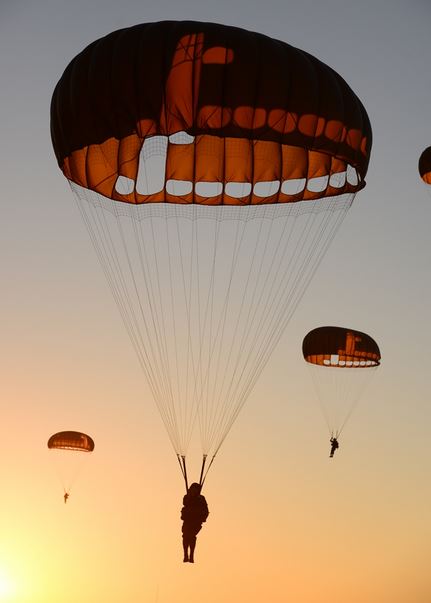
x: 212, y: 167
x: 65, y: 446
x: 341, y: 362
x: 425, y: 166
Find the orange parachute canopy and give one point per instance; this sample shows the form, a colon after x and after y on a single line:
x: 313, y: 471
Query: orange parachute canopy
x: 339, y: 391
x: 212, y: 166
x: 340, y: 347
x: 71, y: 440
x: 189, y: 112
x: 425, y: 165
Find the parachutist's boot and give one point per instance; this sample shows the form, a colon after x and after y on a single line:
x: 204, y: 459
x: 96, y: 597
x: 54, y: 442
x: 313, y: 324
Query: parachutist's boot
x: 186, y: 555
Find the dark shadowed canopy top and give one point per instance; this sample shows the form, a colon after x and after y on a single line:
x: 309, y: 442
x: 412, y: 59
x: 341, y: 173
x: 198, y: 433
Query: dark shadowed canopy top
x: 340, y: 347
x: 71, y: 440
x: 220, y: 105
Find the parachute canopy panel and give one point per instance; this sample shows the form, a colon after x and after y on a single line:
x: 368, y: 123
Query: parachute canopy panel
x: 425, y: 166
x: 189, y: 112
x: 340, y: 347
x: 71, y: 440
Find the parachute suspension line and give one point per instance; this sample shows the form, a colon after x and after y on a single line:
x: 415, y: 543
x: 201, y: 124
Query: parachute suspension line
x: 68, y: 466
x: 339, y: 390
x: 141, y: 254
x: 189, y: 415
x: 145, y: 261
x: 267, y: 310
x: 251, y: 319
x: 163, y: 377
x: 105, y: 250
x: 199, y: 403
x: 161, y: 333
x: 225, y: 421
x: 229, y: 399
x: 194, y: 252
x: 202, y: 398
x: 314, y: 376
x: 280, y: 322
x: 358, y: 394
x: 204, y: 475
x: 220, y: 331
x: 208, y: 298
x: 276, y: 336
x: 174, y: 325
x: 279, y: 302
x: 254, y: 304
x: 204, y: 460
x: 137, y: 296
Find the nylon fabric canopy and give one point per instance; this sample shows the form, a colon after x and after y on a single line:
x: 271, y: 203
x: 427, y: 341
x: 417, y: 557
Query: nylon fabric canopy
x: 425, y: 165
x: 340, y: 347
x: 188, y: 112
x: 71, y: 440
x: 212, y: 167
x: 341, y: 363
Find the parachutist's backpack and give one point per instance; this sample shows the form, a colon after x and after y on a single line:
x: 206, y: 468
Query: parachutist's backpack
x: 195, y: 508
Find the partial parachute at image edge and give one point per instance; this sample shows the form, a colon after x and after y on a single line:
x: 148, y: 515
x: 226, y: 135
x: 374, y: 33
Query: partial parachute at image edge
x: 425, y: 165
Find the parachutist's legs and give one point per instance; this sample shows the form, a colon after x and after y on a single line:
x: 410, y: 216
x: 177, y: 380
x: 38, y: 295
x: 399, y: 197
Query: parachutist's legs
x: 192, y: 548
x: 185, y: 548
x: 189, y: 544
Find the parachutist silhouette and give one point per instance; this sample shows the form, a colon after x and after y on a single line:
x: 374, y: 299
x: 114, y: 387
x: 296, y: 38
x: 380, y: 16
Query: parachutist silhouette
x: 194, y: 513
x: 334, y: 446
x: 66, y: 496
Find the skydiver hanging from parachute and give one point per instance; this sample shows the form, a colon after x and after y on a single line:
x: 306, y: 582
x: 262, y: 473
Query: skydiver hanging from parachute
x: 334, y: 446
x: 341, y: 362
x: 212, y: 167
x: 68, y: 447
x: 194, y: 513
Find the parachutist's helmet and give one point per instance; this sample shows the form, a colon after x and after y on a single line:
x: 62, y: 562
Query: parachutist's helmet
x: 194, y: 488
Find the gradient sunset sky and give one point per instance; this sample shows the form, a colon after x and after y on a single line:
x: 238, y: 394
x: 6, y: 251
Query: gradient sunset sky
x: 286, y: 525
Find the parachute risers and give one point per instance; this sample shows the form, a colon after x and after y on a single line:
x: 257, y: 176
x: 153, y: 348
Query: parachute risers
x: 203, y: 473
x: 212, y: 167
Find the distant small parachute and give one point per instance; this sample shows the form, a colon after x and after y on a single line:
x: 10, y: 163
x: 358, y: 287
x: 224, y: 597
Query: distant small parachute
x: 425, y: 166
x: 71, y: 440
x: 341, y: 362
x: 66, y: 444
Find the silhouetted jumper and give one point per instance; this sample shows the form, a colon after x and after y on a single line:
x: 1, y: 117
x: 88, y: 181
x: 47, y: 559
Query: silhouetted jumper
x: 194, y: 513
x: 334, y: 446
x: 66, y: 496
